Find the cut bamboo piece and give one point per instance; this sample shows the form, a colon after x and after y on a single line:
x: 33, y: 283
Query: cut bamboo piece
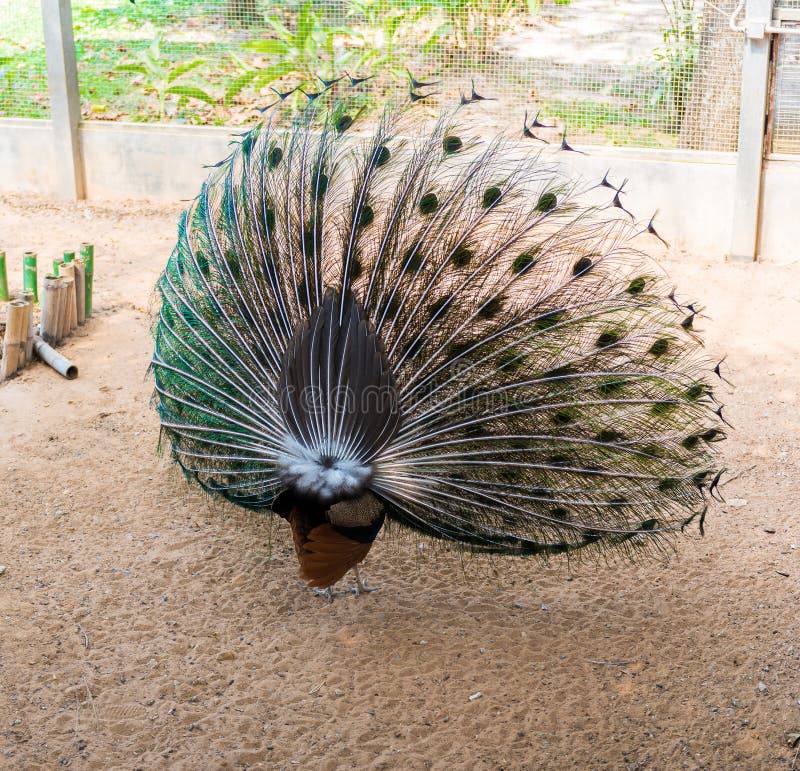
x: 80, y: 290
x: 59, y: 363
x: 57, y: 263
x: 28, y: 298
x: 68, y: 275
x: 63, y: 308
x: 29, y: 278
x: 87, y: 255
x: 69, y: 256
x: 51, y: 309
x: 3, y: 278
x: 14, y: 341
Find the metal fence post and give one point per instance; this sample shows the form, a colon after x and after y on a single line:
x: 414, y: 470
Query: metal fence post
x: 62, y: 75
x: 752, y: 119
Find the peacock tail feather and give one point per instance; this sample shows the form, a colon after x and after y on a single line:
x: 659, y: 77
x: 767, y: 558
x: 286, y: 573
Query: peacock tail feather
x: 536, y: 387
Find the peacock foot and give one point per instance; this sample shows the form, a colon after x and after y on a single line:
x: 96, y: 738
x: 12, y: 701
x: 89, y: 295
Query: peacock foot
x: 330, y: 593
x: 361, y: 585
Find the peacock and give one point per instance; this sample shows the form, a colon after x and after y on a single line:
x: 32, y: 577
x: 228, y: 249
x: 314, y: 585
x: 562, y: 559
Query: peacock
x: 402, y: 322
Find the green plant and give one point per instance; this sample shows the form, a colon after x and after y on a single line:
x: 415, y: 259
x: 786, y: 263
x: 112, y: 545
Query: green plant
x: 678, y: 56
x: 163, y: 78
x: 475, y: 25
x: 385, y: 27
x: 309, y: 49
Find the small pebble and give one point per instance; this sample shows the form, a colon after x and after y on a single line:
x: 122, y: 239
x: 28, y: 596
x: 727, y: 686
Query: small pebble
x: 762, y: 688
x: 226, y: 656
x: 2, y: 569
x: 475, y: 696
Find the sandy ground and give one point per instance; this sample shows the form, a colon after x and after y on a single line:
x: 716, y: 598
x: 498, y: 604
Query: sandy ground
x: 142, y: 626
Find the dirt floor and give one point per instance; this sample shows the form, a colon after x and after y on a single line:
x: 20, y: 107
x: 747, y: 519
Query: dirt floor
x: 143, y: 627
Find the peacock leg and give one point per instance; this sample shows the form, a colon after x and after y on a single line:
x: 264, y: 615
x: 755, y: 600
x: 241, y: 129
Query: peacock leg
x: 361, y: 584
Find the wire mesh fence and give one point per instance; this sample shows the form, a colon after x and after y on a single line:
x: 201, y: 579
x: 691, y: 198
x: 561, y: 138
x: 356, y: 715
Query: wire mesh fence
x: 647, y: 73
x: 786, y: 111
x: 23, y: 69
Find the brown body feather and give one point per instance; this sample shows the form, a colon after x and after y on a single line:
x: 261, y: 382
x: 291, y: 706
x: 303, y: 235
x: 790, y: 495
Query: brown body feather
x: 324, y: 550
x: 325, y: 554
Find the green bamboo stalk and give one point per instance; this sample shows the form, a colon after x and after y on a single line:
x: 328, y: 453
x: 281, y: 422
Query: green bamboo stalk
x: 3, y: 278
x: 87, y: 255
x: 69, y: 256
x: 29, y: 279
x: 57, y: 262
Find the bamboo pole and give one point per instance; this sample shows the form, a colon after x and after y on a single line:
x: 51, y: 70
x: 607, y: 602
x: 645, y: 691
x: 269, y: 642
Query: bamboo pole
x: 29, y: 278
x: 80, y: 290
x: 51, y: 311
x: 14, y: 341
x: 68, y: 275
x: 69, y: 256
x: 3, y: 278
x: 28, y: 298
x: 87, y: 255
x: 57, y: 263
x: 59, y: 363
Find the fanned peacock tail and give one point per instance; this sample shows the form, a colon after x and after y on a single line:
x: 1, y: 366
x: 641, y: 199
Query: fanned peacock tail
x: 548, y: 391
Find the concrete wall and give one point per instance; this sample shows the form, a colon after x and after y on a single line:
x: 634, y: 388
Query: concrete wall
x: 693, y: 191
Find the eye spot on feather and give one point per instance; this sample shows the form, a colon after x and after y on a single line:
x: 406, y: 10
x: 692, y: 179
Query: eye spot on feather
x: 344, y: 123
x: 659, y: 347
x: 563, y: 417
x: 559, y: 512
x: 690, y: 442
x: 583, y: 265
x: 558, y: 460
x: 412, y: 262
x: 491, y: 308
x: 648, y: 524
x: 428, y: 203
x: 668, y: 483
x: 491, y: 196
x: 608, y: 435
x: 700, y: 478
x: 548, y: 320
x: 523, y: 262
x: 319, y: 184
x: 437, y: 306
x: 383, y: 156
x: 202, y: 263
x: 636, y: 286
x: 452, y: 144
x: 694, y: 392
x: 391, y: 307
x: 459, y: 348
x: 663, y: 406
x: 355, y: 269
x: 547, y: 202
x: 461, y: 257
x: 712, y: 435
x: 510, y: 361
x: 366, y: 217
x: 609, y: 337
x: 269, y: 219
x: 274, y: 157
